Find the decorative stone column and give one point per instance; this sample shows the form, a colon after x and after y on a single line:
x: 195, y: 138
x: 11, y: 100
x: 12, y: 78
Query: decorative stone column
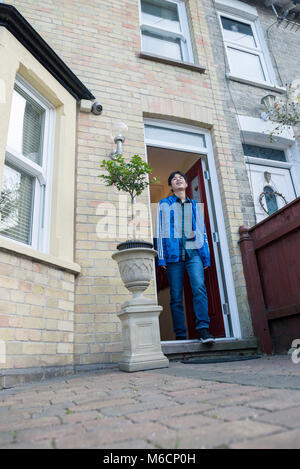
x: 139, y: 316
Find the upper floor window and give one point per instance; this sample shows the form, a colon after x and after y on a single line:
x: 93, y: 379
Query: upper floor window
x: 26, y: 183
x: 245, y: 49
x: 164, y: 29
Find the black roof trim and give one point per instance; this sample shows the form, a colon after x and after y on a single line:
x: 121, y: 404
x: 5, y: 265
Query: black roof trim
x: 12, y: 20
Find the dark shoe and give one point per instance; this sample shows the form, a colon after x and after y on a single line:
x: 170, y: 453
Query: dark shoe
x: 180, y: 337
x: 205, y: 337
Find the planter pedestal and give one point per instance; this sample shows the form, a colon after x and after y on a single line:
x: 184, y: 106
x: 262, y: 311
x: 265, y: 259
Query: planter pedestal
x: 139, y: 315
x: 141, y: 338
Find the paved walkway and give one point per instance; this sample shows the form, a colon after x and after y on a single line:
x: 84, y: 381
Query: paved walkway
x: 245, y: 404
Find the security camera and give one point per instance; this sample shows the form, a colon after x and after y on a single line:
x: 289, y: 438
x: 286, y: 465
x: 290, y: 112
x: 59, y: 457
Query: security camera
x: 97, y: 108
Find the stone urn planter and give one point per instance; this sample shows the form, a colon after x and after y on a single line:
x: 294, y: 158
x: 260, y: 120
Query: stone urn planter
x: 139, y: 315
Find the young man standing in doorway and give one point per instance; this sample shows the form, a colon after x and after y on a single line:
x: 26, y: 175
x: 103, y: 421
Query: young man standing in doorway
x: 181, y: 242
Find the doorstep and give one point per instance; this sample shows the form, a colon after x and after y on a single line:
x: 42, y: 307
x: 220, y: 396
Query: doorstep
x: 177, y: 349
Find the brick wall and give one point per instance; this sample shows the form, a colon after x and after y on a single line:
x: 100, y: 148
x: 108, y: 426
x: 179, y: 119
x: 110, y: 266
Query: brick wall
x: 36, y: 314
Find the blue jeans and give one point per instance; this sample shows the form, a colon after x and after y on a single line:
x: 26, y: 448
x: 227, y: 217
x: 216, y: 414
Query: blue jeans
x: 175, y: 273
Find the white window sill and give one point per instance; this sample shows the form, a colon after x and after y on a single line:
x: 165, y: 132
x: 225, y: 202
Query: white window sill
x: 169, y: 61
x: 266, y: 86
x: 26, y: 251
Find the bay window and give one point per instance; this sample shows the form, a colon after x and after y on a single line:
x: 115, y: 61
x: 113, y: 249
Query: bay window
x: 26, y: 185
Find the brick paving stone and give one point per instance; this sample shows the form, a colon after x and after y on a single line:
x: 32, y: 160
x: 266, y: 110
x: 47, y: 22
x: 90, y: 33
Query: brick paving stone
x: 105, y: 422
x: 9, y: 402
x: 30, y: 423
x: 91, y: 393
x: 79, y: 417
x: 289, y: 418
x: 196, y: 396
x: 179, y: 385
x: 191, y: 392
x: 235, y: 399
x: 130, y: 444
x: 108, y: 402
x: 188, y: 421
x: 236, y: 412
x: 161, y: 414
x: 286, y: 440
x: 15, y: 417
x: 6, y: 438
x: 29, y: 407
x: 215, y: 435
x: 163, y: 400
x: 52, y: 410
x: 61, y: 399
x: 29, y: 445
x: 48, y: 433
x: 276, y: 400
x: 97, y: 439
x: 132, y: 408
x: 99, y: 404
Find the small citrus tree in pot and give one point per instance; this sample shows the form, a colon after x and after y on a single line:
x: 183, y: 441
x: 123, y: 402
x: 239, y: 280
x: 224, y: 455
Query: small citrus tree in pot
x: 130, y: 177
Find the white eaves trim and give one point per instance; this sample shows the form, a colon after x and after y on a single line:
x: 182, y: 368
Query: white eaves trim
x: 235, y: 7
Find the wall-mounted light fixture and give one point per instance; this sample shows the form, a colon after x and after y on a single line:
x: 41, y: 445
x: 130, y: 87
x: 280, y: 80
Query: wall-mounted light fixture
x: 268, y: 101
x: 119, y: 132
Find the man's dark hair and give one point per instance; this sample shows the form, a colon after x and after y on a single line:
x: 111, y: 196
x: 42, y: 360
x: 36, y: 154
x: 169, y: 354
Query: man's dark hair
x: 173, y: 174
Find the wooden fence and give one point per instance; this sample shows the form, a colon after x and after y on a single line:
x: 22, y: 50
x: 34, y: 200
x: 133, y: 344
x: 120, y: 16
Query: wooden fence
x: 271, y: 260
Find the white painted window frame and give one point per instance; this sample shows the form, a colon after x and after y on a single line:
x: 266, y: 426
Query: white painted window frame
x: 217, y: 203
x: 184, y: 36
x: 40, y: 228
x: 259, y: 51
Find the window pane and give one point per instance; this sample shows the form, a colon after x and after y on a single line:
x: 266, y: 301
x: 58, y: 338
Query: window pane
x: 238, y: 32
x: 167, y: 47
x: 245, y: 64
x: 266, y: 153
x: 16, y: 202
x: 26, y: 126
x: 171, y: 136
x: 164, y: 15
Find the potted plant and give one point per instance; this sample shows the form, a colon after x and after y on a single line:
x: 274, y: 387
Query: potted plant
x: 135, y: 258
x: 130, y: 177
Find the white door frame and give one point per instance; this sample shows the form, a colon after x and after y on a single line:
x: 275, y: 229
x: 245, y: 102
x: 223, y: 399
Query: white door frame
x: 214, y: 200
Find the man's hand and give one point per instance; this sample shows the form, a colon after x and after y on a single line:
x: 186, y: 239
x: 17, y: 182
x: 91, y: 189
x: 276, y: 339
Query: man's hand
x: 206, y: 267
x: 163, y: 267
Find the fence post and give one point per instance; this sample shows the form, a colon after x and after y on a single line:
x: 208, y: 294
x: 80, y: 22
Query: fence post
x: 254, y: 291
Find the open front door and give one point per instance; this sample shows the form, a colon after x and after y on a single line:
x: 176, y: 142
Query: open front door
x: 196, y: 190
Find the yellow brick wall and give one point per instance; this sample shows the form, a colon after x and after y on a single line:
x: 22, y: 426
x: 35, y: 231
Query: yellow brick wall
x: 36, y: 313
x: 100, y: 41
